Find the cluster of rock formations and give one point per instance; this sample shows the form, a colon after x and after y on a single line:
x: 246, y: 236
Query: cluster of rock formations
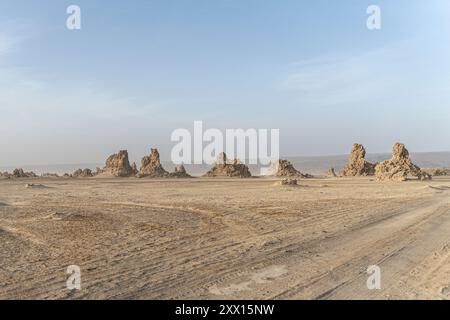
x: 437, y: 172
x: 118, y: 165
x: 225, y: 168
x: 18, y: 174
x: 83, y: 173
x: 357, y: 164
x: 180, y: 172
x: 399, y: 167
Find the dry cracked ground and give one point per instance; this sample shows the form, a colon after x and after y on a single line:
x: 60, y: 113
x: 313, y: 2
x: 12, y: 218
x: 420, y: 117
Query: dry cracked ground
x: 224, y: 239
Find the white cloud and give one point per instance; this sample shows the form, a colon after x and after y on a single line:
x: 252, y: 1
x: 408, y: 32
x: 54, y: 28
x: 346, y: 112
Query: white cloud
x: 25, y: 96
x: 340, y: 80
x: 384, y: 77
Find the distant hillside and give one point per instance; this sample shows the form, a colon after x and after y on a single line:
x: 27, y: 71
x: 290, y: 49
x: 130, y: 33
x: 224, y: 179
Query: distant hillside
x: 319, y: 165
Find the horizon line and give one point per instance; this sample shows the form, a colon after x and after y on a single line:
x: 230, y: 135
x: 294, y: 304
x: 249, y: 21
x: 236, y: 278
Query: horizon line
x: 170, y: 161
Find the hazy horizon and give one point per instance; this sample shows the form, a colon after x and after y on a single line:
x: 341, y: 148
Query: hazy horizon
x: 136, y: 72
x: 137, y: 158
x: 316, y: 165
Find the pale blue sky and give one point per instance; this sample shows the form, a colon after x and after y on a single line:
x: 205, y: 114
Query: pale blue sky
x: 138, y: 70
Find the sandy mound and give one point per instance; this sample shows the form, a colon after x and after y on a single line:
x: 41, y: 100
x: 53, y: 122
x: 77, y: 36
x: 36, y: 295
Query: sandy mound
x: 5, y: 175
x: 180, y: 172
x: 439, y: 188
x: 225, y: 168
x: 35, y: 186
x: 284, y: 168
x: 288, y: 182
x: 117, y: 165
x: 151, y: 166
x: 50, y: 175
x: 400, y: 167
x: 18, y: 173
x: 83, y: 173
x: 357, y: 164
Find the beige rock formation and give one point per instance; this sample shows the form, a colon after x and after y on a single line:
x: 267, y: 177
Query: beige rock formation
x: 284, y: 168
x: 436, y: 172
x: 180, y: 172
x: 118, y: 165
x: 331, y: 173
x: 357, y: 164
x: 19, y: 173
x: 399, y: 167
x: 83, y: 173
x: 151, y: 166
x: 225, y: 168
x: 5, y: 175
x: 289, y: 182
x: 134, y: 167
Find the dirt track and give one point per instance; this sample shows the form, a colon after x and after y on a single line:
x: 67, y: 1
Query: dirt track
x: 207, y: 238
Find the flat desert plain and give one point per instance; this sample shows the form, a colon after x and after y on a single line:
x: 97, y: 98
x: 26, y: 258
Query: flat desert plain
x: 224, y: 238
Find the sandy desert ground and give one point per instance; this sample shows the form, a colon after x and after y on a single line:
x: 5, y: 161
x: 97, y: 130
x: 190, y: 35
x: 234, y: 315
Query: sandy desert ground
x: 224, y: 238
